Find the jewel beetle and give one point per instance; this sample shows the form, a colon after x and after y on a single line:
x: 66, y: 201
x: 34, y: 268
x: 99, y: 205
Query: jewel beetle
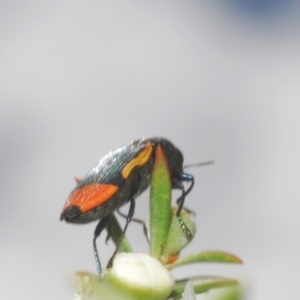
x: 118, y: 178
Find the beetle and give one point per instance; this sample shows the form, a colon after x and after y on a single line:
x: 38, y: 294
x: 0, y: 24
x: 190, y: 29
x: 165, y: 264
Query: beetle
x: 118, y: 178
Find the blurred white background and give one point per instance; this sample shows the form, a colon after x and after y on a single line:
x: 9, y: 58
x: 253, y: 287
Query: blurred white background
x: 218, y: 78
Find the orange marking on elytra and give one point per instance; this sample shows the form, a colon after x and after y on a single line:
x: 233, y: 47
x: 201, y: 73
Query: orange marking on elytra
x: 90, y: 196
x: 139, y: 161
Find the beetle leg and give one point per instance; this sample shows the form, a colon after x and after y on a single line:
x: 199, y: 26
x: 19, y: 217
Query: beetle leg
x: 137, y: 220
x: 99, y: 228
x: 108, y: 228
x: 189, y: 178
x: 180, y: 201
x: 177, y: 183
x: 128, y: 220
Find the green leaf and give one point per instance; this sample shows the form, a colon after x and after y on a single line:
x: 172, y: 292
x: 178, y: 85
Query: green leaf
x: 201, y: 284
x: 233, y: 294
x: 160, y: 202
x: 176, y: 239
x: 206, y: 256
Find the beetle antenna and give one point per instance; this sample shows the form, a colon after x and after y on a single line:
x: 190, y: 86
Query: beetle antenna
x: 200, y: 164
